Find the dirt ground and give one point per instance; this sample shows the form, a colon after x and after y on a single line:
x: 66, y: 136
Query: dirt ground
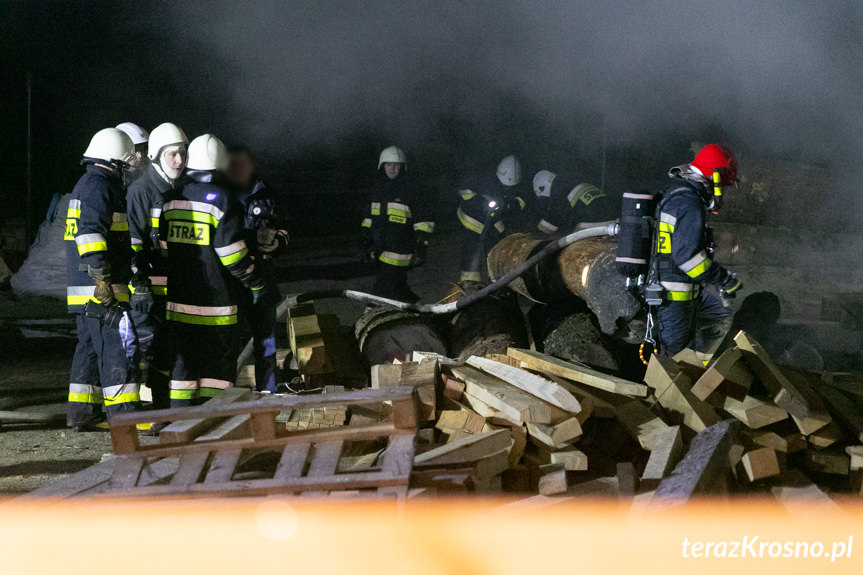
x: 37, y: 342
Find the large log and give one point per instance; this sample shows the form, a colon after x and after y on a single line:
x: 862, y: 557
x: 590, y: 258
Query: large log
x: 386, y: 334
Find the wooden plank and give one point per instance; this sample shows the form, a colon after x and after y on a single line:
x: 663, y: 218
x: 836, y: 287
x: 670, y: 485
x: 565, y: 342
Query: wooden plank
x: 798, y: 494
x: 690, y: 362
x: 627, y: 480
x: 817, y: 415
x: 785, y: 395
x: 552, y: 480
x: 399, y: 456
x: 572, y: 459
x: 557, y: 435
x: 640, y: 422
x: 424, y: 377
x: 466, y: 450
x: 754, y: 413
x: 187, y: 430
x: 513, y: 403
x: 704, y: 468
x: 191, y: 468
x: 223, y: 465
x: 462, y: 420
x: 582, y: 374
x: 847, y: 412
x: 830, y: 462
x: 728, y: 375
x: 325, y: 458
x: 666, y: 453
x: 540, y: 387
x: 235, y: 427
x: 782, y: 440
x: 292, y: 462
x: 761, y: 463
x: 673, y: 391
x: 826, y: 436
x: 263, y: 426
x: 126, y: 472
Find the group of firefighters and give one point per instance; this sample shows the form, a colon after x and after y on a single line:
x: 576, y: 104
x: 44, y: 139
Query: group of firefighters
x: 170, y: 244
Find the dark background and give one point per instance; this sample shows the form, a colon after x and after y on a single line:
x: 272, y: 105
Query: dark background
x: 319, y: 88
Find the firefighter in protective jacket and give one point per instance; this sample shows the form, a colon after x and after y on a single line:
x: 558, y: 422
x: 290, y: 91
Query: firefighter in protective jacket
x: 396, y: 226
x: 690, y: 316
x: 488, y: 209
x: 98, y: 253
x: 208, y: 262
x: 167, y: 154
x: 565, y: 203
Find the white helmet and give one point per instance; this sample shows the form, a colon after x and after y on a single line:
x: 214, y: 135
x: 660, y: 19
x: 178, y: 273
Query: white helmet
x: 164, y: 135
x: 138, y: 134
x: 509, y: 171
x: 542, y: 183
x: 111, y: 145
x: 207, y: 153
x: 392, y: 154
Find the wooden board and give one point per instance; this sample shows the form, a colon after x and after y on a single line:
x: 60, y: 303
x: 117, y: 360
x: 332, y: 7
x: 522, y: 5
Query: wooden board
x: 537, y: 386
x: 673, y: 390
x: 640, y: 422
x: 555, y: 435
x: 666, y: 453
x: 582, y: 374
x: 761, y: 463
x: 728, y: 375
x: 513, y: 403
x: 189, y: 429
x: 754, y: 413
x: 466, y: 450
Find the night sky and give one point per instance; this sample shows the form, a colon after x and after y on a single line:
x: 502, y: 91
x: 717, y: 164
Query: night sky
x: 319, y: 88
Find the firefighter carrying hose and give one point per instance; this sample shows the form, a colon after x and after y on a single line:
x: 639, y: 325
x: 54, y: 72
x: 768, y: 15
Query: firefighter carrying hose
x: 202, y: 234
x: 396, y: 227
x: 167, y: 154
x: 683, y: 265
x: 98, y: 253
x: 566, y: 204
x: 488, y: 206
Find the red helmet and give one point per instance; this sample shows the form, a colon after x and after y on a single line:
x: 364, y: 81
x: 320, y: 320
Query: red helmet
x: 716, y: 157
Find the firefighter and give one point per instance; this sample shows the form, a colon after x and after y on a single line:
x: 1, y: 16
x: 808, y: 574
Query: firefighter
x: 267, y: 238
x: 565, y: 204
x: 167, y: 154
x: 488, y: 209
x: 396, y: 227
x: 683, y: 264
x: 140, y: 137
x: 208, y: 263
x: 98, y: 253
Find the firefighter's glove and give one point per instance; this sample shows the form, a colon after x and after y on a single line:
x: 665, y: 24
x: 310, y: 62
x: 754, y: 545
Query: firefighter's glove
x: 142, y: 300
x: 102, y: 280
x: 729, y: 288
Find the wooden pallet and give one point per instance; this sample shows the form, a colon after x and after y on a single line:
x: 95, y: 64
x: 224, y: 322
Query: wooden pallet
x: 308, y: 460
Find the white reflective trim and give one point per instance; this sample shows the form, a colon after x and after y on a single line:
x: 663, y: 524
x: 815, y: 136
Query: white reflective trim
x: 75, y: 204
x: 120, y: 288
x: 231, y: 249
x: 400, y: 207
x: 113, y: 390
x: 693, y: 261
x: 215, y: 383
x: 677, y: 286
x: 158, y: 280
x: 120, y: 217
x: 668, y: 218
x: 637, y: 196
x: 546, y: 225
x: 500, y: 226
x: 630, y: 260
x: 195, y: 207
x: 155, y: 212
x: 84, y: 388
x: 178, y: 384
x: 137, y: 242
x: 376, y: 205
x: 80, y: 290
x: 206, y: 311
x: 395, y: 256
x: 427, y: 225
x: 89, y: 239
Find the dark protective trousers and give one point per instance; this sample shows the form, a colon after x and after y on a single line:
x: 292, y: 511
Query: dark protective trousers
x: 100, y: 375
x: 474, y: 250
x: 697, y: 324
x: 261, y: 320
x: 392, y: 282
x: 206, y: 361
x: 153, y: 356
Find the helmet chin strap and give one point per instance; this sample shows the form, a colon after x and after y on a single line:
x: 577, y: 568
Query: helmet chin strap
x: 163, y: 173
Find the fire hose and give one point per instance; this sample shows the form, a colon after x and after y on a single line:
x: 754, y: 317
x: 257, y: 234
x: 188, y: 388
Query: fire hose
x: 445, y: 308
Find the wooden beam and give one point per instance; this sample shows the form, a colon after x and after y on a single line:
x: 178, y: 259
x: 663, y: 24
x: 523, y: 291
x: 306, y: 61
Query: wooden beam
x: 465, y: 419
x: 466, y: 450
x: 846, y: 410
x: 515, y: 404
x: 704, y: 468
x: 552, y: 480
x: 817, y: 415
x: 642, y: 424
x: 556, y: 435
x: 537, y: 386
x: 754, y: 413
x: 761, y: 463
x: 582, y: 374
x: 187, y: 430
x: 673, y: 391
x: 728, y: 375
x: 666, y: 453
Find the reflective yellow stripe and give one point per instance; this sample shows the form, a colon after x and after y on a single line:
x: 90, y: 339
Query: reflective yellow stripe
x: 546, y: 227
x: 367, y: 223
x: 154, y: 222
x: 679, y: 295
x: 699, y: 269
x: 84, y: 398
x: 394, y: 259
x: 427, y: 227
x: 466, y: 194
x: 137, y: 247
x: 73, y: 214
x: 470, y: 276
x: 122, y: 398
x: 210, y: 391
x: 201, y: 319
x: 234, y: 258
x: 500, y: 226
x: 521, y: 202
x: 666, y: 227
x: 469, y: 222
x: 92, y: 247
x: 160, y: 290
x: 119, y: 226
x: 183, y: 393
x: 192, y: 216
x: 376, y: 208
